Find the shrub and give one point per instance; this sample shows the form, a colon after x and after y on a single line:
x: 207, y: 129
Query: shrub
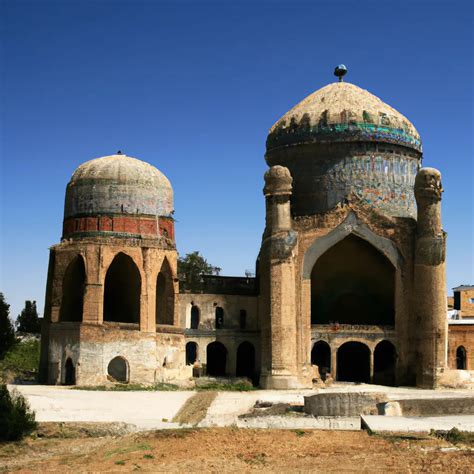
x: 16, y: 418
x: 21, y: 361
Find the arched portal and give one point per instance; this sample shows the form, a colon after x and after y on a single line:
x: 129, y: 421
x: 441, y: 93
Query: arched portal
x: 246, y: 361
x: 165, y: 295
x: 219, y: 317
x: 353, y: 283
x: 216, y: 359
x: 321, y: 356
x: 74, y: 281
x: 461, y: 358
x: 353, y: 362
x: 194, y: 317
x: 122, y: 291
x: 384, y: 363
x: 118, y: 369
x: 70, y: 373
x: 191, y: 353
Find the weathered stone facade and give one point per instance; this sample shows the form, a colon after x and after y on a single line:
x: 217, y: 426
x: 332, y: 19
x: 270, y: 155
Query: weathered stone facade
x: 350, y: 275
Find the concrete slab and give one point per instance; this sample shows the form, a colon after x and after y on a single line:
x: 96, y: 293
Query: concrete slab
x: 394, y: 424
x: 302, y: 422
x: 145, y: 410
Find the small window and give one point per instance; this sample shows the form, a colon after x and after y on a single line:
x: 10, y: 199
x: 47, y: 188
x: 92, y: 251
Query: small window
x: 194, y: 317
x: 243, y: 319
x: 471, y: 300
x: 219, y: 317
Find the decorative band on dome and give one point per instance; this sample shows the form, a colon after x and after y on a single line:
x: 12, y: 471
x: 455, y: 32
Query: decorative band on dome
x: 341, y: 132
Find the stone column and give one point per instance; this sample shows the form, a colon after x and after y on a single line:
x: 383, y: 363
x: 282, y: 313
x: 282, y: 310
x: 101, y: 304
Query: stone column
x: 430, y: 280
x: 94, y: 290
x: 279, y: 334
x: 371, y: 370
x: 334, y: 362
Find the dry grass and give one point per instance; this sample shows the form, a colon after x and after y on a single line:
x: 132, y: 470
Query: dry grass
x: 195, y: 408
x: 232, y: 449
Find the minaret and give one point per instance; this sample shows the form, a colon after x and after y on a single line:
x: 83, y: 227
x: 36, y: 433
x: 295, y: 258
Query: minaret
x: 278, y: 302
x: 429, y: 306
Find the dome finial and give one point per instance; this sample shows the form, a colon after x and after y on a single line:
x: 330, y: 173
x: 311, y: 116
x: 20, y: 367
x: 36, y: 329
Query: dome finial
x: 119, y: 152
x: 340, y: 72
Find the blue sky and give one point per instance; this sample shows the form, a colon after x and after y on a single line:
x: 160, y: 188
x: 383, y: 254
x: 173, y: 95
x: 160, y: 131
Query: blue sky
x: 192, y: 87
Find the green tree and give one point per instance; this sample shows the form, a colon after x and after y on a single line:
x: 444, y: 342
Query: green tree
x: 16, y: 418
x: 191, y: 267
x: 28, y: 320
x: 7, y: 333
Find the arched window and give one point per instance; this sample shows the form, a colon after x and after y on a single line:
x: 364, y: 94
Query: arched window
x: 118, y: 369
x: 122, y: 291
x: 70, y: 373
x: 321, y: 356
x: 243, y: 319
x: 353, y: 283
x: 219, y: 317
x: 384, y: 363
x: 191, y: 353
x: 353, y: 362
x: 246, y: 361
x: 216, y: 354
x: 72, y: 300
x: 165, y: 295
x: 194, y: 317
x: 461, y: 358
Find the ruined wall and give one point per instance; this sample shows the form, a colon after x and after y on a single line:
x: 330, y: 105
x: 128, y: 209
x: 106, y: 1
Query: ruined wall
x: 207, y: 303
x: 461, y: 335
x: 155, y: 352
x: 465, y: 302
x: 150, y: 357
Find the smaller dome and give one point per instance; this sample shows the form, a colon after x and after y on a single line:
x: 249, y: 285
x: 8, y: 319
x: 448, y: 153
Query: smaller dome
x: 343, y: 112
x: 118, y: 184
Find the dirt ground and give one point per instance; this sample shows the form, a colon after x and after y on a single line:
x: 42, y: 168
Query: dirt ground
x: 62, y: 448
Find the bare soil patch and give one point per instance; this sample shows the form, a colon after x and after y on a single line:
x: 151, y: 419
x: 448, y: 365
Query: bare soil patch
x: 232, y: 449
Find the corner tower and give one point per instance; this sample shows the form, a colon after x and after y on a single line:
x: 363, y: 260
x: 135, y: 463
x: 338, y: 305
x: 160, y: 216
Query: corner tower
x: 111, y: 298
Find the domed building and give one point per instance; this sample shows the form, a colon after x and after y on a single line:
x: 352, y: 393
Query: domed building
x: 111, y: 298
x: 350, y: 279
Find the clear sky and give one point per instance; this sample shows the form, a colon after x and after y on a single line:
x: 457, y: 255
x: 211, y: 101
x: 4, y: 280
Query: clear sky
x: 192, y: 87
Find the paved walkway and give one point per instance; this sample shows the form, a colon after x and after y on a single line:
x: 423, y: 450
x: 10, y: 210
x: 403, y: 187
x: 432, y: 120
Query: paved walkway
x: 145, y: 410
x: 155, y: 410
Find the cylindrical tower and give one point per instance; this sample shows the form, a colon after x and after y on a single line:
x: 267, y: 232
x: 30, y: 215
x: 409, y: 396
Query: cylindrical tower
x: 430, y: 279
x: 343, y: 142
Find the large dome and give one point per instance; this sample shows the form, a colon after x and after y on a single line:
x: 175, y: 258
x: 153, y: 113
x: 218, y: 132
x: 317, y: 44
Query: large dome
x: 343, y: 112
x: 118, y: 184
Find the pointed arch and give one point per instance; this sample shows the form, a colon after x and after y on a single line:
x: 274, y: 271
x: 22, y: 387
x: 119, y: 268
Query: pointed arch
x: 216, y: 355
x: 164, y: 304
x: 351, y: 225
x: 385, y: 357
x: 353, y: 283
x: 122, y: 290
x: 245, y: 360
x: 353, y: 362
x: 321, y: 356
x: 74, y: 281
